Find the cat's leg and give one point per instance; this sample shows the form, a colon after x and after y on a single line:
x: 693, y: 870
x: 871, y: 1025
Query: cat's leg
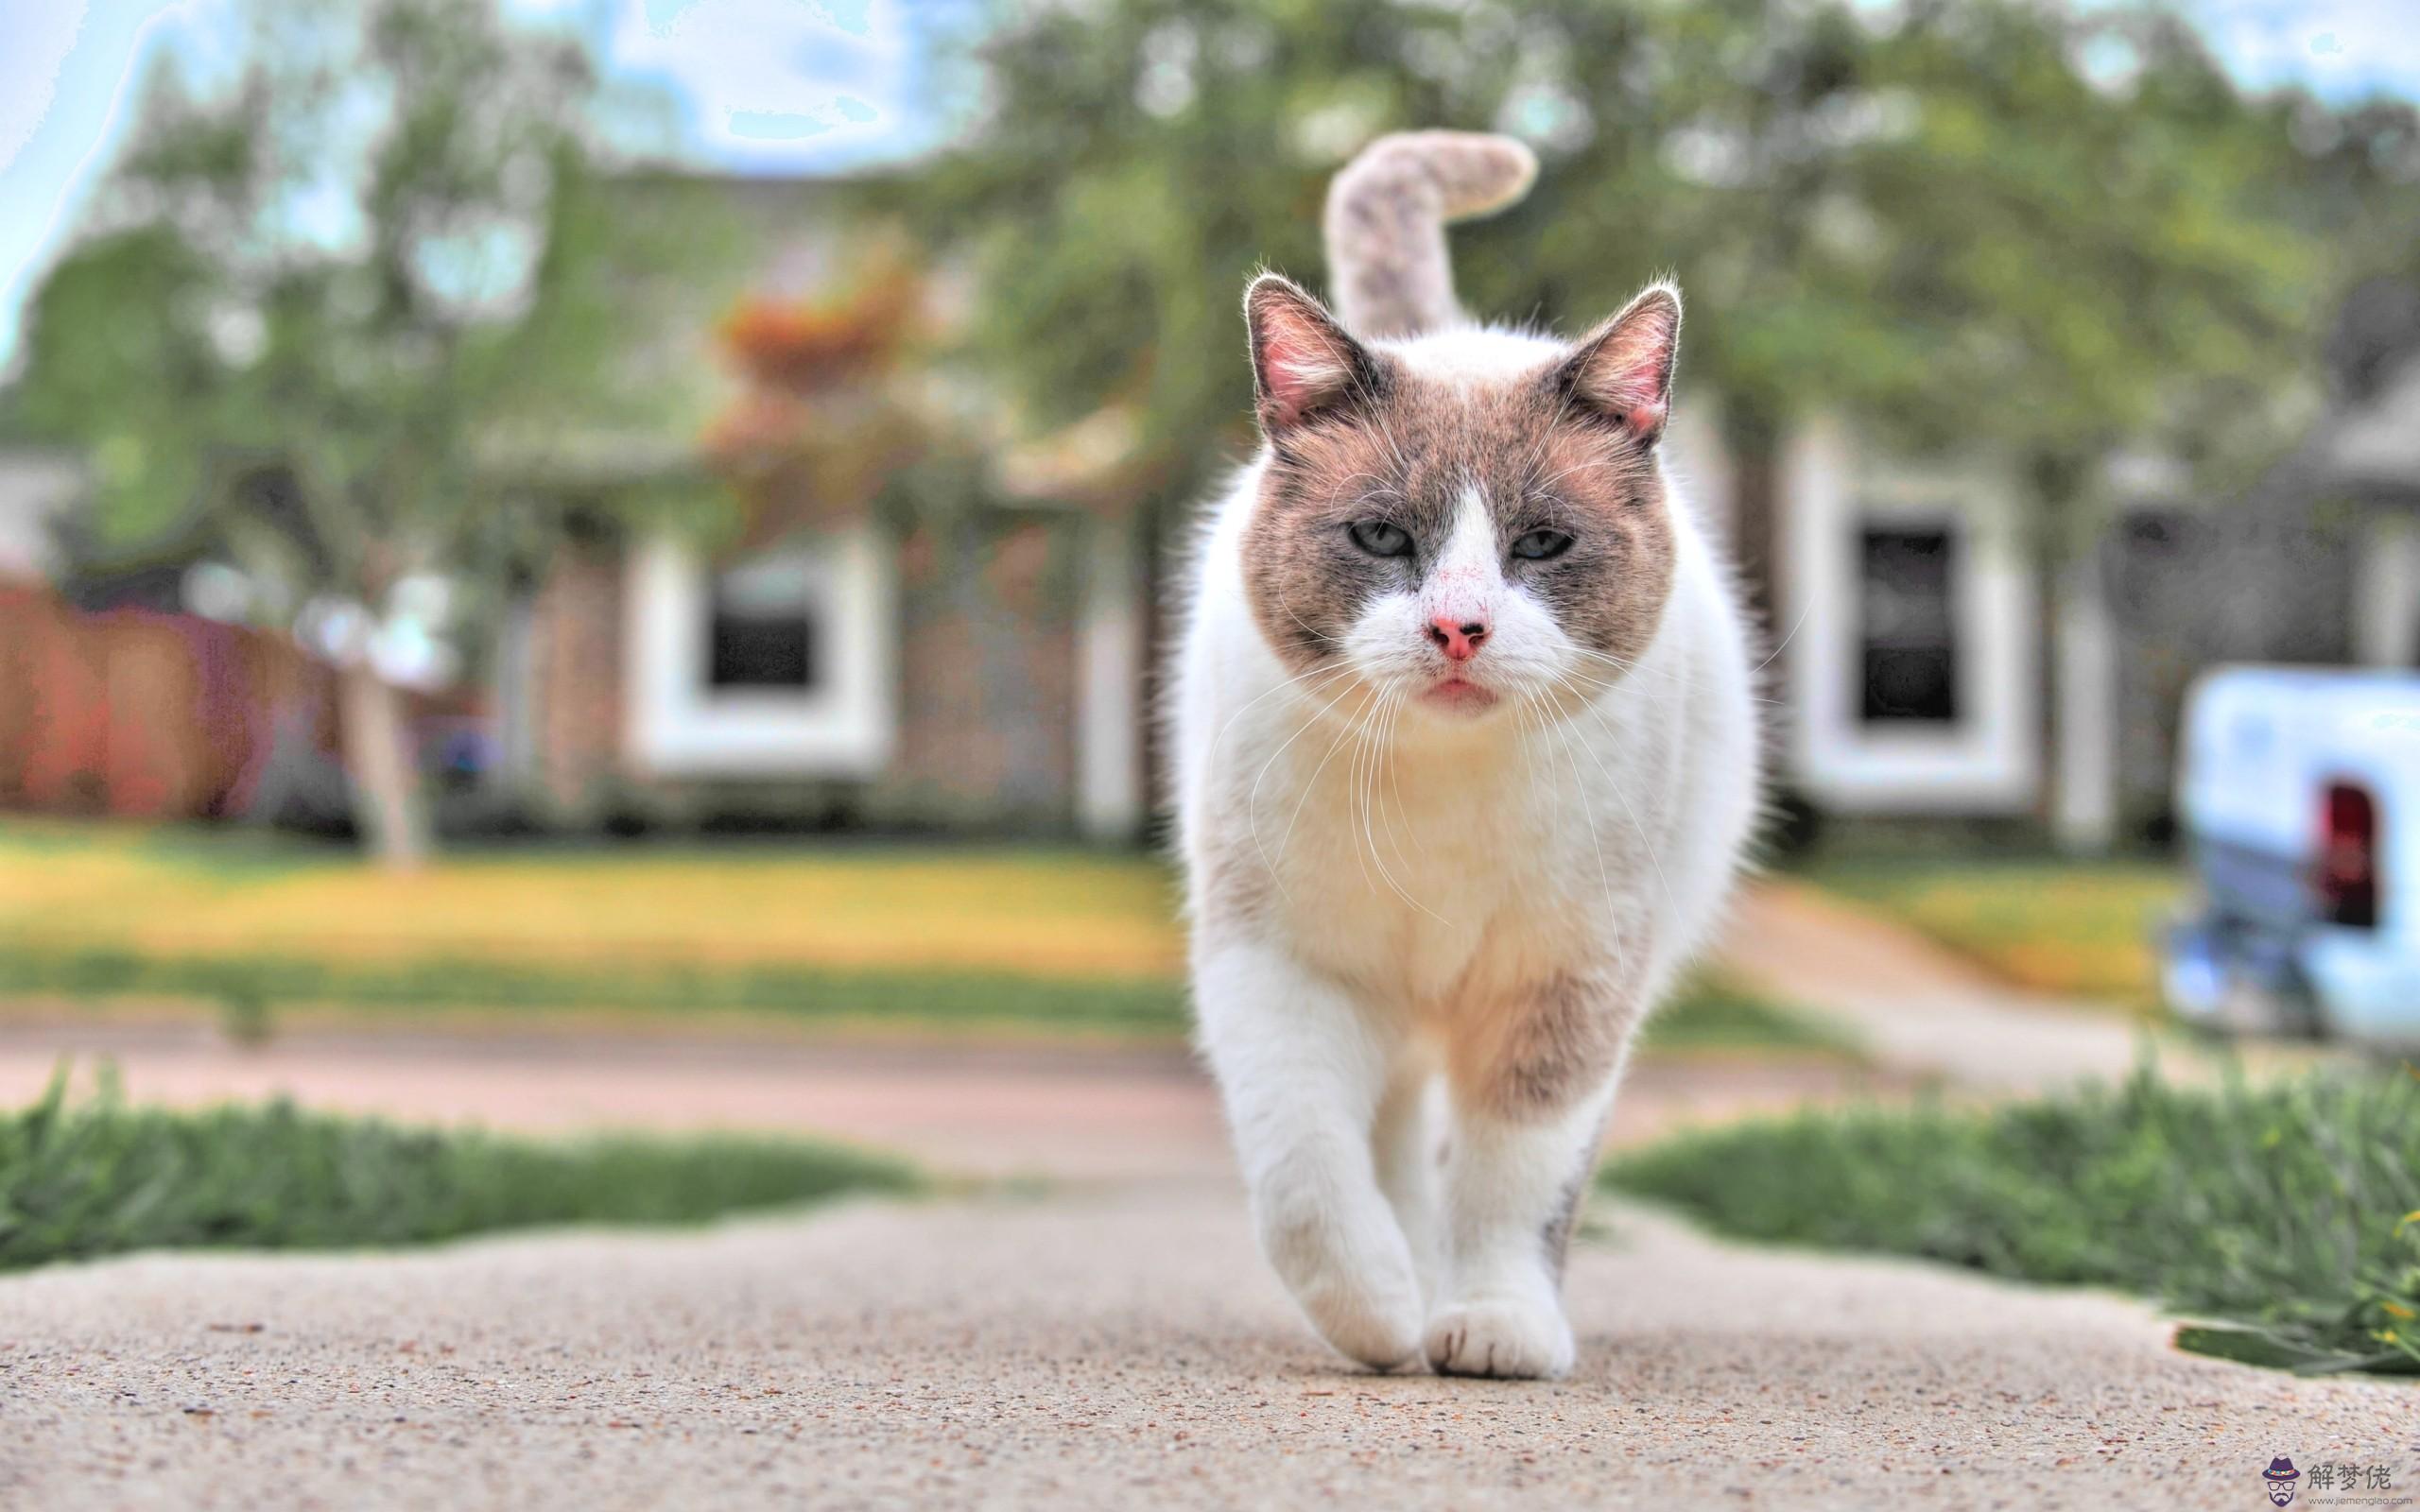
x: 1530, y: 1091
x: 1302, y: 1067
x: 1406, y: 1144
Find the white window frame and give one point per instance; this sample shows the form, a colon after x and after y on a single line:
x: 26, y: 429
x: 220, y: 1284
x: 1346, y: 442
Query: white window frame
x: 679, y: 725
x: 1986, y: 761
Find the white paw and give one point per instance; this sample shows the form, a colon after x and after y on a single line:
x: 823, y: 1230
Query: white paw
x: 1372, y: 1320
x: 1355, y: 1281
x: 1500, y: 1336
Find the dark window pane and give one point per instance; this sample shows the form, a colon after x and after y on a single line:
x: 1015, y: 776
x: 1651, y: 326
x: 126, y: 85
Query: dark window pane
x: 761, y: 651
x: 1907, y: 626
x: 763, y: 630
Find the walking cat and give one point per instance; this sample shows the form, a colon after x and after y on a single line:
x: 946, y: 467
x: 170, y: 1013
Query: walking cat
x: 1465, y: 755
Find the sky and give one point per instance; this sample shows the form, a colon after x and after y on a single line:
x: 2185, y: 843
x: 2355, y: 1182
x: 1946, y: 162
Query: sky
x: 801, y: 86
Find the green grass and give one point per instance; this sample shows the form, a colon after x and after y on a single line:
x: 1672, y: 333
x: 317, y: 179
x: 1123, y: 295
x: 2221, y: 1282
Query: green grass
x: 923, y: 938
x: 920, y: 938
x: 2284, y: 1218
x: 82, y: 1177
x: 2079, y: 928
x: 244, y: 986
x: 828, y: 905
x: 1710, y: 1014
x: 1706, y: 1014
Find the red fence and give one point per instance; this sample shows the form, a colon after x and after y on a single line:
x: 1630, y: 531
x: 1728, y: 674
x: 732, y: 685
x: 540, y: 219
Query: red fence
x: 137, y: 713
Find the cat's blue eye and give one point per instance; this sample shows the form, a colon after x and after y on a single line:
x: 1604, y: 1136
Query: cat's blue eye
x: 1381, y: 538
x: 1540, y: 545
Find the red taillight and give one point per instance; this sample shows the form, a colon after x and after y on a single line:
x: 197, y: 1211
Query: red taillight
x: 2348, y: 857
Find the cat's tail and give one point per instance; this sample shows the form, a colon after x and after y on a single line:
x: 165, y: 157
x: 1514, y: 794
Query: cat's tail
x: 1386, y: 221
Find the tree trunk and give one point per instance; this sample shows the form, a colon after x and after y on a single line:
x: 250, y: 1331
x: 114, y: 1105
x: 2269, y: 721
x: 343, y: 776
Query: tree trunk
x: 385, y: 778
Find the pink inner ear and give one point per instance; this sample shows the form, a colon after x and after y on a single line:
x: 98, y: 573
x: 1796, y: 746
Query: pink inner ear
x: 1627, y: 375
x: 1301, y: 367
x: 1630, y: 371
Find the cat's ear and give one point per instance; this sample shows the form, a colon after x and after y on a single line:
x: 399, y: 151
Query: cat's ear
x: 1623, y: 368
x: 1302, y: 362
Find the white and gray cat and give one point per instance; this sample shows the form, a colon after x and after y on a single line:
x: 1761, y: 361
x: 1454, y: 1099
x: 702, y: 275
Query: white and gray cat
x: 1466, y: 755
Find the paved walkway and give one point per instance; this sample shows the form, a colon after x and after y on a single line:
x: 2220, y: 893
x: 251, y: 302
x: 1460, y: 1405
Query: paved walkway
x: 993, y: 1110
x: 1916, y: 1005
x: 1106, y: 1349
x: 1113, y: 1343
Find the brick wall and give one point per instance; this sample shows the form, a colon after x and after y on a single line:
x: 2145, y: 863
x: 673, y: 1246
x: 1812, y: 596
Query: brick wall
x: 576, y: 676
x: 986, y: 655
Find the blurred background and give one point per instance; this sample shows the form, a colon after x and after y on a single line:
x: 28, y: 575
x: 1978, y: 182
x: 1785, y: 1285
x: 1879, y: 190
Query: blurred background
x: 649, y: 514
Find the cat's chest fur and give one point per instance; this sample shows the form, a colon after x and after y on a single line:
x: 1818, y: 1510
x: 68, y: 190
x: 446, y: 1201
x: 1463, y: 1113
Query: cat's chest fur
x: 1428, y: 877
x: 1411, y: 877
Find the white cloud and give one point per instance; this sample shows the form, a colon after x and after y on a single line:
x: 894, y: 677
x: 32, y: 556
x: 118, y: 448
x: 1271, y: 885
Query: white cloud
x: 40, y: 43
x: 775, y: 85
x: 2338, y: 48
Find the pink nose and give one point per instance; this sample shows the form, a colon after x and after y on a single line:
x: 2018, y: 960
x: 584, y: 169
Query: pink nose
x: 1457, y: 639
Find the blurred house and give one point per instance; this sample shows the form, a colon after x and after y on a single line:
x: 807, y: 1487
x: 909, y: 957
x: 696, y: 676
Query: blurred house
x: 1908, y: 660
x: 914, y: 623
x: 1928, y: 661
x: 823, y: 580
x: 1936, y: 662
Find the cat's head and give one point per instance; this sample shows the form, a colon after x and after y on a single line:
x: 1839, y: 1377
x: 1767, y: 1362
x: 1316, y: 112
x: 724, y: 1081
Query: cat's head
x: 1469, y: 522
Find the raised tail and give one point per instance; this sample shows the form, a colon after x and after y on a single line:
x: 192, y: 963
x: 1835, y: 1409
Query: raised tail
x: 1386, y: 221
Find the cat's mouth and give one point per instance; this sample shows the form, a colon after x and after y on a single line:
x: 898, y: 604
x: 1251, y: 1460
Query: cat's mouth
x: 1458, y: 694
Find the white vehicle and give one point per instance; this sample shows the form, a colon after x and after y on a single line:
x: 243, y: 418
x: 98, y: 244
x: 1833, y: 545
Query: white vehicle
x: 2298, y: 790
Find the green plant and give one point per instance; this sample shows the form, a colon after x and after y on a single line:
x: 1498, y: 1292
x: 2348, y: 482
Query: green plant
x: 246, y: 1018
x: 805, y: 993
x: 2285, y: 1215
x: 1709, y: 1013
x: 88, y: 1177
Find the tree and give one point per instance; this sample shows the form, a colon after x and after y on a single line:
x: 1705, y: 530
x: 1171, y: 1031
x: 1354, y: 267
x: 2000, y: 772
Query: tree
x: 1987, y: 221
x: 316, y: 311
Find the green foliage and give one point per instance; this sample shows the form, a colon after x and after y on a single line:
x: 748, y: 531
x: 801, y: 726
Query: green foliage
x: 96, y: 1177
x: 250, y: 990
x: 921, y: 998
x: 324, y: 320
x: 301, y: 298
x: 2288, y: 1215
x: 1939, y: 222
x: 246, y: 1018
x: 1711, y: 1014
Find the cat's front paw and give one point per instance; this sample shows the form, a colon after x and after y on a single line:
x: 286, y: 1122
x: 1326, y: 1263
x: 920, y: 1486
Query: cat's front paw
x: 1500, y: 1336
x: 1353, y: 1278
x: 1373, y: 1319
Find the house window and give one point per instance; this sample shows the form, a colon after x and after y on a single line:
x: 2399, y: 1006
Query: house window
x: 762, y: 630
x: 782, y: 665
x: 1908, y: 627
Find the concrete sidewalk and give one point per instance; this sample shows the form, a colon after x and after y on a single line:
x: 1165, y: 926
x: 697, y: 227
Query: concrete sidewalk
x: 1917, y: 1007
x: 1117, y: 1349
x: 1115, y: 1343
x: 1062, y: 1112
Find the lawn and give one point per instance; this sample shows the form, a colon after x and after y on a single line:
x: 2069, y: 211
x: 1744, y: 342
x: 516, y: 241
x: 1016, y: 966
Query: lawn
x: 830, y: 933
x: 838, y: 906
x: 1711, y: 1014
x: 2283, y: 1218
x: 926, y: 938
x: 2078, y: 928
x: 85, y: 1177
